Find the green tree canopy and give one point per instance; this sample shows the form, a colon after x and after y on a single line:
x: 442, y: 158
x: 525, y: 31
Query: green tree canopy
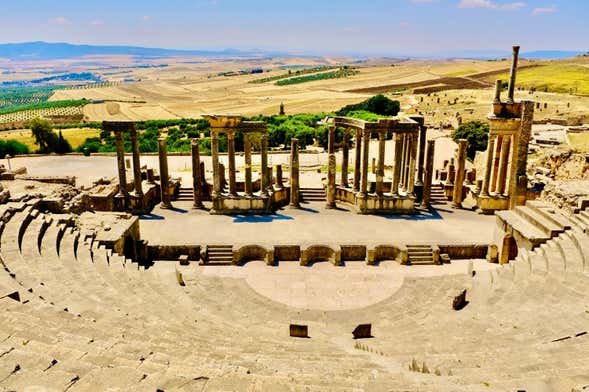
x: 477, y: 135
x: 379, y: 104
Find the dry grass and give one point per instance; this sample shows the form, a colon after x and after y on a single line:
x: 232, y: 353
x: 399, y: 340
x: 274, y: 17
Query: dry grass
x: 75, y: 136
x: 579, y: 141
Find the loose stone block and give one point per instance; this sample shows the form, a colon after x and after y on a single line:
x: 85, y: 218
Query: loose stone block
x: 183, y: 260
x: 299, y: 331
x: 363, y: 331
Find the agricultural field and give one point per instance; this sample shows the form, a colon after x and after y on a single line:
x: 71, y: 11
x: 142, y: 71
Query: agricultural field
x: 73, y: 110
x: 579, y: 141
x: 555, y: 77
x: 14, y: 97
x: 75, y: 136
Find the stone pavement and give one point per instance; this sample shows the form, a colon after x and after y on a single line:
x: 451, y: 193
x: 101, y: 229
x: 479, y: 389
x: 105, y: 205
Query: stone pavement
x: 313, y: 224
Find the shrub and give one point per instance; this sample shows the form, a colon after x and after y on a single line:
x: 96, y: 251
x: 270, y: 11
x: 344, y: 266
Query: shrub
x: 379, y: 104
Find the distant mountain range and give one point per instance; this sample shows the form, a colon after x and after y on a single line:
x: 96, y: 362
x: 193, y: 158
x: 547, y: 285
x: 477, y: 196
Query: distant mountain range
x: 53, y: 51
x: 36, y: 51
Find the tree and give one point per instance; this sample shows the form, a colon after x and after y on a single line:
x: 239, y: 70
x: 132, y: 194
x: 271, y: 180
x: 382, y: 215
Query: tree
x: 379, y: 104
x: 477, y: 135
x: 62, y: 146
x: 44, y: 136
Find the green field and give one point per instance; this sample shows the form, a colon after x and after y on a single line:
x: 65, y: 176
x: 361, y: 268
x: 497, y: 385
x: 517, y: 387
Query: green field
x: 11, y: 97
x: 557, y: 78
x: 340, y: 73
x: 579, y: 141
x: 43, y: 105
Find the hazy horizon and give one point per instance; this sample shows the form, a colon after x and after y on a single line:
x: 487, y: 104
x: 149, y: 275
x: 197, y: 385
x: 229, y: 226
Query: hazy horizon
x: 378, y: 27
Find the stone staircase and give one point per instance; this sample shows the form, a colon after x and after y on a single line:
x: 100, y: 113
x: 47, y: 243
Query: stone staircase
x: 185, y: 194
x: 437, y: 194
x: 308, y: 195
x: 219, y: 254
x: 420, y: 255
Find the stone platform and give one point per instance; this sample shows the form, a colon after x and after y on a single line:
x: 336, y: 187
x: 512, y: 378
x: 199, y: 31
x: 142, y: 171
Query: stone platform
x: 314, y: 224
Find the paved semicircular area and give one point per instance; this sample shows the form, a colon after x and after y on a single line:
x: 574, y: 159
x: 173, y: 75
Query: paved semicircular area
x: 323, y: 286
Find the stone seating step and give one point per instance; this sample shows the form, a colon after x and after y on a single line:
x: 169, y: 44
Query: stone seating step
x: 526, y: 228
x: 549, y: 227
x: 550, y: 213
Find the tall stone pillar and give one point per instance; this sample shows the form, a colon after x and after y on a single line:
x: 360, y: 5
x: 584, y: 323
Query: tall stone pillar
x: 459, y: 180
x: 197, y: 175
x: 512, y: 75
x: 407, y: 159
x: 519, y: 160
x: 503, y: 162
x: 279, y: 182
x: 380, y: 164
x: 247, y: 146
x: 498, y: 84
x: 264, y: 164
x: 136, y: 165
x: 121, y: 166
x: 357, y: 160
x: 164, y: 179
x: 412, y: 163
x: 496, y: 163
x: 215, y: 156
x: 231, y: 158
x: 345, y: 158
x: 331, y: 168
x: 397, y: 165
x: 489, y: 167
x: 421, y: 161
x: 365, y: 152
x: 428, y: 174
x: 294, y: 173
x: 403, y: 163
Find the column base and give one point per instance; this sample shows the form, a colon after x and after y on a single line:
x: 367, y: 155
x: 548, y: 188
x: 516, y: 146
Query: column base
x: 456, y: 206
x: 166, y: 206
x: 330, y: 206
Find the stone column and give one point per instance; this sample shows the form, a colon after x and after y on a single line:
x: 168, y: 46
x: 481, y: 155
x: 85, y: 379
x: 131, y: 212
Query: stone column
x: 503, y: 162
x: 497, y: 99
x: 459, y: 180
x: 496, y: 163
x: 407, y: 159
x: 279, y: 183
x: 247, y: 146
x: 215, y: 156
x: 136, y: 165
x: 412, y: 162
x: 519, y: 157
x: 331, y: 168
x: 294, y: 173
x: 345, y: 158
x: 197, y: 175
x: 512, y: 75
x: 358, y: 160
x: 264, y: 146
x: 164, y: 179
x: 231, y: 158
x: 421, y: 162
x: 380, y: 165
x: 270, y: 174
x: 489, y: 166
x: 121, y: 165
x: 397, y: 165
x: 365, y: 152
x: 403, y: 155
x: 428, y: 175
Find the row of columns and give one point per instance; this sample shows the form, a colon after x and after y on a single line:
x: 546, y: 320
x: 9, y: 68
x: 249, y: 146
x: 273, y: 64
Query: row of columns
x: 497, y: 163
x: 119, y: 128
x: 404, y: 168
x: 266, y: 178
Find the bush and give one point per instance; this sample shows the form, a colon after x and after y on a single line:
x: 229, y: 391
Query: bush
x: 12, y: 148
x: 477, y: 135
x: 379, y: 104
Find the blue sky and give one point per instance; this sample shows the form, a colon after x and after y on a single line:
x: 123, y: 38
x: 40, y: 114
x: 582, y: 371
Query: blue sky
x: 344, y: 26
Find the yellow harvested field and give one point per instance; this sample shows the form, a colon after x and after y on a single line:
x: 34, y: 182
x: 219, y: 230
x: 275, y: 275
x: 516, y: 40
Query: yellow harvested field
x: 75, y: 136
x: 579, y: 141
x: 190, y: 90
